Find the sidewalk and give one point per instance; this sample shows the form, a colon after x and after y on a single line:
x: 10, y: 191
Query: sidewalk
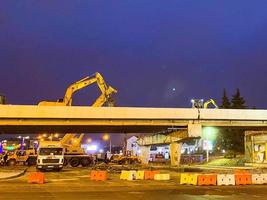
x: 11, y: 173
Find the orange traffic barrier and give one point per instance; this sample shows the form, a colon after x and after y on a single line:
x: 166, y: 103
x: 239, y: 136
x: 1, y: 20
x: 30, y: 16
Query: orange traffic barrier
x: 93, y: 175
x: 149, y: 175
x: 243, y: 178
x: 36, y: 177
x: 99, y: 175
x: 207, y: 179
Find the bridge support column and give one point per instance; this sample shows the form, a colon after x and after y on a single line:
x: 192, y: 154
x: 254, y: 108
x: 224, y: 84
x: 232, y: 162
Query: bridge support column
x: 194, y: 130
x: 175, y: 152
x: 145, y: 154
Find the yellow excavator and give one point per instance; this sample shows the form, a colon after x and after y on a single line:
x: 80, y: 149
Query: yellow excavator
x: 74, y: 154
x: 199, y: 103
x: 211, y: 101
x: 105, y: 97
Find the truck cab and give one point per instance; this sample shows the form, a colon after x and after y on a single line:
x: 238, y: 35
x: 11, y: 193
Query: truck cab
x: 50, y: 156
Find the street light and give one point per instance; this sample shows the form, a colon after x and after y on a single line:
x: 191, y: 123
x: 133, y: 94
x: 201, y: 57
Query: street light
x: 107, y: 137
x: 50, y: 137
x: 23, y: 141
x: 89, y: 140
x: 209, y: 135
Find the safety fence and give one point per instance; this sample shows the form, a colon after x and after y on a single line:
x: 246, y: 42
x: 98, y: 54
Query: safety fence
x: 237, y: 178
x: 143, y: 175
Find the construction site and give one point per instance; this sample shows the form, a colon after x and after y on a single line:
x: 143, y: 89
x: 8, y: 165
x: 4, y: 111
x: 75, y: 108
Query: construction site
x: 155, y: 146
x: 133, y: 100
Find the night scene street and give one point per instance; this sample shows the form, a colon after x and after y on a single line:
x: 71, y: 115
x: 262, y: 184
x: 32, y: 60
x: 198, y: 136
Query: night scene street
x: 132, y: 100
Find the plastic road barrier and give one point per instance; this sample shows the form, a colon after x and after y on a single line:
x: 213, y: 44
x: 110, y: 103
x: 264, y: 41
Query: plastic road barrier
x: 162, y: 177
x: 149, y: 175
x: 188, y: 179
x: 36, y: 177
x: 243, y: 178
x: 225, y: 179
x: 140, y: 175
x: 207, y: 179
x: 259, y: 179
x: 99, y: 175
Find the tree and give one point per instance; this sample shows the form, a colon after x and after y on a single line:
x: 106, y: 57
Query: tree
x: 232, y: 139
x: 238, y: 102
x: 225, y: 101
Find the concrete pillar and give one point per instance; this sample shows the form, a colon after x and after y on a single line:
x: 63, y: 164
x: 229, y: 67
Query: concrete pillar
x: 175, y: 152
x: 194, y: 130
x: 145, y: 154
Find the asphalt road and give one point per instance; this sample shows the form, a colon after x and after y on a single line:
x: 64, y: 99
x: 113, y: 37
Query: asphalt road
x: 75, y: 185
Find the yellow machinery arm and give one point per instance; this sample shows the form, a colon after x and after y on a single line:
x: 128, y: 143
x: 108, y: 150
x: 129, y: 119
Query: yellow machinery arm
x: 106, y: 91
x: 211, y: 101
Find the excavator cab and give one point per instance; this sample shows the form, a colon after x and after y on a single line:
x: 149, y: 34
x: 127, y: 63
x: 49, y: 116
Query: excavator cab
x: 197, y: 103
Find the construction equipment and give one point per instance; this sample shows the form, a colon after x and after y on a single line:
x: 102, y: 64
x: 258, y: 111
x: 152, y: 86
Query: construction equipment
x: 124, y: 160
x: 211, y: 101
x: 105, y: 97
x: 50, y: 155
x: 26, y: 157
x: 199, y: 103
x: 74, y: 154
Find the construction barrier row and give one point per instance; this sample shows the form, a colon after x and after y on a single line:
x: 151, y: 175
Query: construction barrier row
x: 143, y: 175
x: 239, y: 178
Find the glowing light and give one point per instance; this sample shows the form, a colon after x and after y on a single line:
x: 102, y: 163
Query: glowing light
x: 89, y: 140
x: 44, y: 135
x: 56, y: 135
x: 106, y: 137
x: 210, y: 133
x: 101, y: 150
x: 91, y: 147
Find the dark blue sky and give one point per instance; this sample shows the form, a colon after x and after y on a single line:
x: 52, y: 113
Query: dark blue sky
x: 143, y: 48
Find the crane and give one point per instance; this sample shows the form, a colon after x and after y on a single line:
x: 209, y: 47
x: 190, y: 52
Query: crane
x: 106, y: 92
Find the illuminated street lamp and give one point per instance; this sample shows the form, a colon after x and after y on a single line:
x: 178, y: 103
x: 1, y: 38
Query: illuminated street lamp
x: 23, y: 141
x: 209, y: 135
x: 106, y: 137
x: 89, y: 140
x: 41, y: 137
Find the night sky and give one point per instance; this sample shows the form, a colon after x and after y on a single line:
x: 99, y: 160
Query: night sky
x: 156, y: 53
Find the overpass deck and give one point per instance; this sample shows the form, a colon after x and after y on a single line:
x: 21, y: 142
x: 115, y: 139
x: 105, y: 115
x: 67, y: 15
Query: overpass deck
x: 37, y: 119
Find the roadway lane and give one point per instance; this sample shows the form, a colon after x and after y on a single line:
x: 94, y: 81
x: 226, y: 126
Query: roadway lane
x: 75, y: 184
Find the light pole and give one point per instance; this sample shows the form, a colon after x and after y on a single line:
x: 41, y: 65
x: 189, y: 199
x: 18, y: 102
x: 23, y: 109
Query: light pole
x: 209, y: 135
x: 23, y: 141
x: 107, y: 137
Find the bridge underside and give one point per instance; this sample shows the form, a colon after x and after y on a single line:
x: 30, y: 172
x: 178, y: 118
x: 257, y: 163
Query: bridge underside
x: 99, y: 126
x: 61, y: 119
x: 80, y: 129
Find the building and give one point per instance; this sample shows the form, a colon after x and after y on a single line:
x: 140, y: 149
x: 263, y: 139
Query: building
x: 256, y: 147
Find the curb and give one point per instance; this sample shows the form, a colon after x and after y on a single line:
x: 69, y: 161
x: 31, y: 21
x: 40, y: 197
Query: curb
x: 15, y: 176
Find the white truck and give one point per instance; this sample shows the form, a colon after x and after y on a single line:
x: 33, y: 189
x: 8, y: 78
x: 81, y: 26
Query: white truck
x: 50, y: 155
